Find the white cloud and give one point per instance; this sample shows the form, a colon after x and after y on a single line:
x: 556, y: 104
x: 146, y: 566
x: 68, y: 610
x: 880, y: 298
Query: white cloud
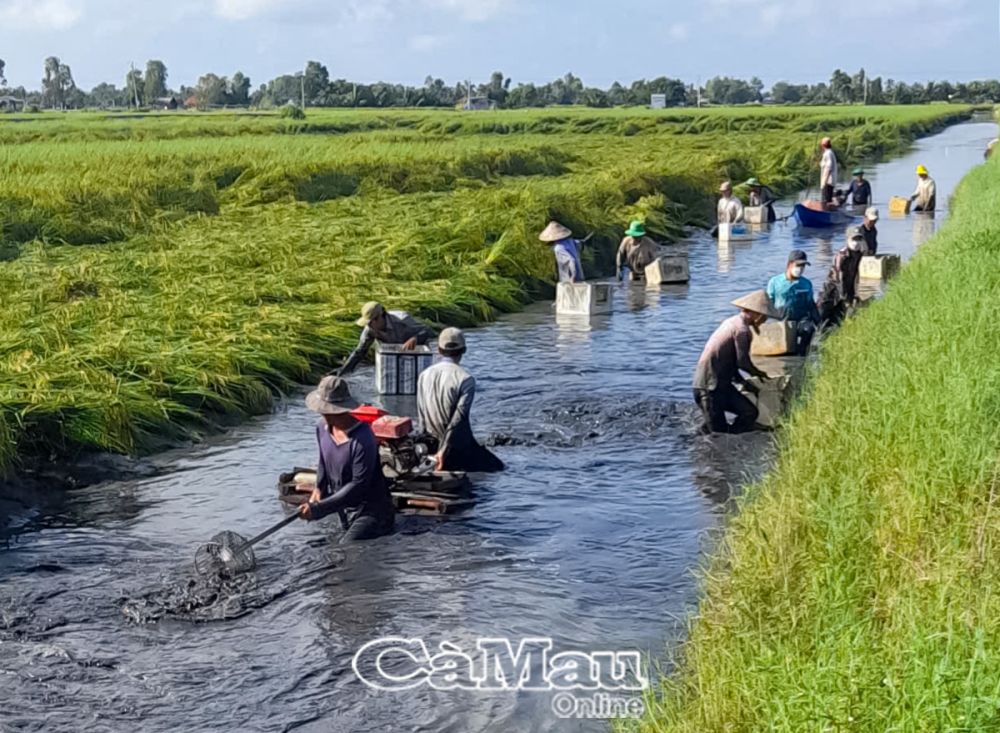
x: 40, y: 14
x: 244, y: 9
x: 474, y: 10
x: 769, y: 15
x: 426, y: 42
x: 678, y: 31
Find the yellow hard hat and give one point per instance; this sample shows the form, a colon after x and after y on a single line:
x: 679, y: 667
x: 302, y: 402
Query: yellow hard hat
x: 921, y: 170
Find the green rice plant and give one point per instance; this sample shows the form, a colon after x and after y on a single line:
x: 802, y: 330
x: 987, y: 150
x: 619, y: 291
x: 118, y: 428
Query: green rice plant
x: 168, y: 273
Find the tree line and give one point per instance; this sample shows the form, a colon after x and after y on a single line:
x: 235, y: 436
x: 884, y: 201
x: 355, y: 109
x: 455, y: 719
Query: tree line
x: 313, y: 87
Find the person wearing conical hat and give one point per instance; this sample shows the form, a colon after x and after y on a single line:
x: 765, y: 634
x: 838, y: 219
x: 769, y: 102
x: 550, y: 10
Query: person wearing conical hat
x: 445, y: 392
x: 761, y: 195
x: 386, y: 327
x: 636, y: 252
x: 566, y: 250
x: 730, y: 209
x: 925, y: 197
x: 859, y: 193
x: 349, y: 478
x: 723, y: 362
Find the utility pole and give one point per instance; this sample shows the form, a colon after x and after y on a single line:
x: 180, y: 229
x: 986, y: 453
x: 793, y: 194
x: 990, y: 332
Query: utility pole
x: 303, y: 91
x: 135, y: 87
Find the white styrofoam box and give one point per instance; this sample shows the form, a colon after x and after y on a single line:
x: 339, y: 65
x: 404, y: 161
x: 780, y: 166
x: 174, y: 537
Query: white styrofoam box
x: 396, y: 370
x: 734, y: 233
x: 879, y: 267
x: 771, y: 401
x: 583, y: 299
x: 755, y: 214
x: 668, y: 269
x: 775, y: 338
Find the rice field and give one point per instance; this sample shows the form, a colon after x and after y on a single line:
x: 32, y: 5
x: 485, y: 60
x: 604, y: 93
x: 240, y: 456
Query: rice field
x: 167, y: 273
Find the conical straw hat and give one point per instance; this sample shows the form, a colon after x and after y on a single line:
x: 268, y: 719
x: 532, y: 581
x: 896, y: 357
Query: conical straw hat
x: 555, y: 232
x: 758, y: 302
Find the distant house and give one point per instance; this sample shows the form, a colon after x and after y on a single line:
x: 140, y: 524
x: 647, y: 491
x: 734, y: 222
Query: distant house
x: 191, y: 102
x: 477, y: 104
x: 167, y: 102
x: 11, y: 104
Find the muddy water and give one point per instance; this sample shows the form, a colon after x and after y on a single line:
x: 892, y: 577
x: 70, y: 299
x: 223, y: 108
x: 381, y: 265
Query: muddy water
x: 589, y: 538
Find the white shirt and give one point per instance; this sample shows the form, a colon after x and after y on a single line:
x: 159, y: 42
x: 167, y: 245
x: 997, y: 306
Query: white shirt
x: 828, y: 169
x: 730, y: 210
x: 926, y: 192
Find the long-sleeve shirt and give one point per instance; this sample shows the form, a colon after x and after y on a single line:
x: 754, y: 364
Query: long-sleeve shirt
x: 730, y: 210
x: 568, y: 262
x: 828, y: 169
x: 871, y: 238
x: 638, y: 254
x: 859, y: 194
x: 349, y: 475
x: 764, y: 197
x: 399, y: 328
x: 926, y: 194
x: 794, y: 298
x: 726, y: 354
x: 445, y: 392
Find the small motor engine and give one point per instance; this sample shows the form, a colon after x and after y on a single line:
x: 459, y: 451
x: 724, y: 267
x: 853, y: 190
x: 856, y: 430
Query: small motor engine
x: 401, y: 451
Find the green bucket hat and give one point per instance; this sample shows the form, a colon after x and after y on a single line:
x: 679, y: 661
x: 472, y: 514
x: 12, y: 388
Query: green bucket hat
x: 753, y: 182
x: 859, y: 171
x: 636, y: 229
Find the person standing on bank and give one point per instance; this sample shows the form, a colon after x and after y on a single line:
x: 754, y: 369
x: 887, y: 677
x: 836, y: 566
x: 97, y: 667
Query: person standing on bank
x: 792, y: 295
x: 869, y: 231
x: 566, y: 250
x: 636, y: 251
x: 828, y: 173
x: 859, y: 193
x: 840, y: 291
x: 925, y: 197
x: 445, y: 392
x: 761, y: 195
x: 386, y: 327
x: 349, y: 478
x: 723, y: 361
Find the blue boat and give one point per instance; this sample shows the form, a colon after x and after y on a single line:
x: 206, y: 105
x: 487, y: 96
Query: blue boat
x: 817, y: 218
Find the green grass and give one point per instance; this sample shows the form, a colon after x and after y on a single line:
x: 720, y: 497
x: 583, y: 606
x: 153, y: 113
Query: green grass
x: 856, y: 589
x: 168, y: 271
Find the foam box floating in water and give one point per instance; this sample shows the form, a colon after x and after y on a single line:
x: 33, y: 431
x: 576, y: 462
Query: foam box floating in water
x: 879, y: 267
x: 734, y: 233
x: 776, y: 338
x: 396, y: 370
x: 899, y: 205
x: 668, y: 269
x: 755, y: 214
x: 771, y: 401
x: 583, y: 299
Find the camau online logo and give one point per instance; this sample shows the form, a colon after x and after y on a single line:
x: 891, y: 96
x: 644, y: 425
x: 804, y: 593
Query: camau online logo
x: 602, y: 684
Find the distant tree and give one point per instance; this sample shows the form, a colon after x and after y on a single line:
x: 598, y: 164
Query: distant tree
x: 155, y: 85
x: 317, y: 83
x: 525, y: 95
x: 724, y: 90
x: 3, y: 79
x: 210, y: 91
x: 135, y: 88
x: 841, y: 86
x: 51, y: 96
x: 785, y: 93
x: 238, y: 89
x: 106, y: 95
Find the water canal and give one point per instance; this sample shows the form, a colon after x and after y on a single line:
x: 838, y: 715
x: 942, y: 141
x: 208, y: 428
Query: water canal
x: 591, y: 537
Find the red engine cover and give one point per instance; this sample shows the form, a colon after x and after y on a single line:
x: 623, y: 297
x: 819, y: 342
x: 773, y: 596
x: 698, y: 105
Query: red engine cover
x: 368, y: 413
x: 390, y: 427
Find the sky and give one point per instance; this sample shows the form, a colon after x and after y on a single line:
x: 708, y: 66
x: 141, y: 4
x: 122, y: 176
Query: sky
x: 407, y: 40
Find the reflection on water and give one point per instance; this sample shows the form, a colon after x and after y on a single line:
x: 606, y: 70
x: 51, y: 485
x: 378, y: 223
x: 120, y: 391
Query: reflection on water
x: 590, y: 537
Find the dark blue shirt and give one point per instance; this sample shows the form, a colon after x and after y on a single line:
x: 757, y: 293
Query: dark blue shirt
x: 859, y: 194
x: 349, y: 476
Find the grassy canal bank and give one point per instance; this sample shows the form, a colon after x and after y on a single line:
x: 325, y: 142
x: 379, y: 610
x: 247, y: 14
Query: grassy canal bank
x: 859, y: 586
x: 165, y: 272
